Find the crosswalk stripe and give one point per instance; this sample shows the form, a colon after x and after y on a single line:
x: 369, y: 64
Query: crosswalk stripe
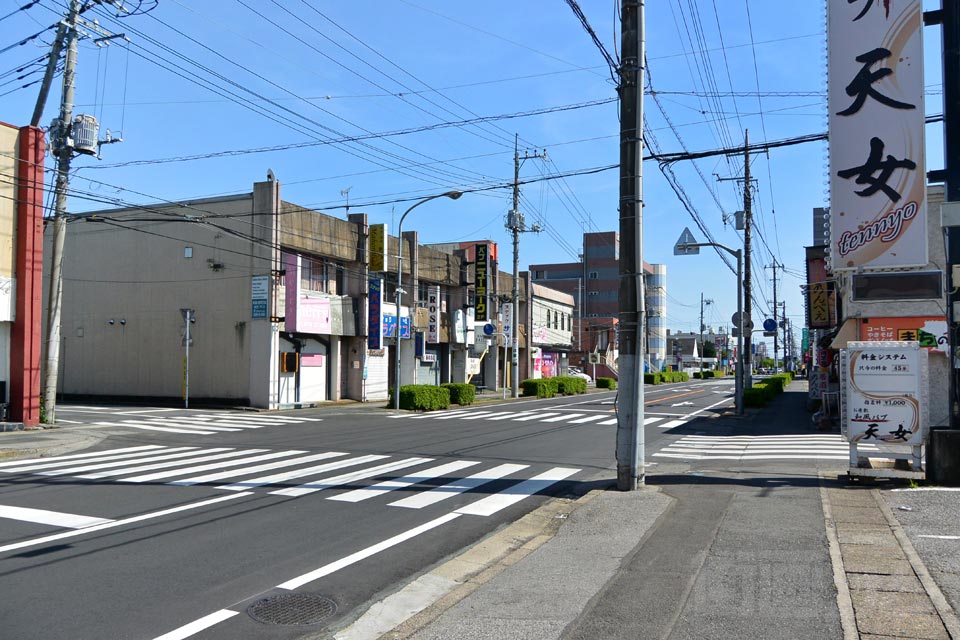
x: 672, y: 424
x: 289, y: 462
x: 327, y: 483
x: 512, y: 495
x: 448, y: 415
x: 277, y: 478
x: 589, y: 419
x: 78, y: 456
x: 261, y: 418
x: 207, y: 424
x: 508, y: 414
x: 535, y: 416
x: 614, y: 421
x: 53, y: 518
x: 33, y: 466
x: 166, y: 465
x: 168, y: 455
x: 150, y: 428
x: 561, y: 417
x: 651, y: 421
x: 483, y: 414
x: 443, y: 492
x: 218, y: 465
x: 400, y: 483
x: 161, y: 424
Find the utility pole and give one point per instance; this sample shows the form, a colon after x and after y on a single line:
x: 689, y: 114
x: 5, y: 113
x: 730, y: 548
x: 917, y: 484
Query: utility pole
x: 63, y: 150
x: 746, y: 322
x: 63, y: 137
x: 776, y: 330
x: 702, y: 302
x: 517, y: 225
x: 630, y: 435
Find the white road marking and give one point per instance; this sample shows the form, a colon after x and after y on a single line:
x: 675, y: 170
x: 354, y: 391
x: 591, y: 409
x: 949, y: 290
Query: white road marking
x: 400, y: 483
x: 940, y: 537
x: 589, y: 419
x: 512, y: 495
x: 366, y: 553
x: 336, y: 481
x: 119, y: 523
x: 615, y: 420
x: 217, y: 465
x: 197, y: 626
x: 299, y: 473
x: 486, y: 415
x: 288, y: 462
x: 149, y: 428
x: 77, y: 456
x: 50, y: 463
x: 565, y: 416
x: 443, y: 492
x: 672, y: 424
x: 55, y: 518
x: 535, y: 416
x: 166, y: 465
x: 509, y: 414
x: 166, y: 425
x: 167, y: 455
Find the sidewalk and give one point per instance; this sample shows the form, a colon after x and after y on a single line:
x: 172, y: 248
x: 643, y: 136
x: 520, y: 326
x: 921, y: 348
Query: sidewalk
x: 746, y: 552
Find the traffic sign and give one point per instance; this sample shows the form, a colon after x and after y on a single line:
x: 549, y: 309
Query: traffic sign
x: 769, y: 325
x: 735, y: 319
x: 748, y: 326
x: 682, y: 247
x: 769, y: 334
x: 489, y: 329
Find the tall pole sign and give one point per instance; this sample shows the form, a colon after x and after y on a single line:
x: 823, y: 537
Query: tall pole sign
x: 482, y: 276
x: 877, y: 170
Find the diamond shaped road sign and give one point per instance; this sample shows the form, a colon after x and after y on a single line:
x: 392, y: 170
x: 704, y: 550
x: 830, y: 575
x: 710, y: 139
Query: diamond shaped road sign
x: 682, y: 248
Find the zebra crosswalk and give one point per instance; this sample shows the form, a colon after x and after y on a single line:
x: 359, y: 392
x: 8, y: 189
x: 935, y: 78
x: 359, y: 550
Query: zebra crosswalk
x: 604, y: 418
x: 295, y: 473
x: 759, y: 448
x: 203, y: 424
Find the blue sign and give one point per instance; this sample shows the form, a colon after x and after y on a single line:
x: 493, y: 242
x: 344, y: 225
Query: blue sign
x: 259, y: 308
x: 390, y: 327
x: 769, y: 325
x: 489, y: 329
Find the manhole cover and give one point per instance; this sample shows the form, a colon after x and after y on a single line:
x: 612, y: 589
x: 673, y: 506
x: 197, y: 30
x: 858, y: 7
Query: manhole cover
x: 292, y: 608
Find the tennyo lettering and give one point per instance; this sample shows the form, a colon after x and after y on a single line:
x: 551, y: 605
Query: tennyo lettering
x: 887, y: 229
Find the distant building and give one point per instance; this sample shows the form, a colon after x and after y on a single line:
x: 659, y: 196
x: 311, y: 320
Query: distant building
x: 594, y: 282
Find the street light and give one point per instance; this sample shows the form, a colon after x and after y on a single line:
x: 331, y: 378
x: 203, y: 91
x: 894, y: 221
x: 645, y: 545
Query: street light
x: 687, y: 248
x: 453, y: 195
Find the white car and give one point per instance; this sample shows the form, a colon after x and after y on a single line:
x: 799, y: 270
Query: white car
x: 574, y: 372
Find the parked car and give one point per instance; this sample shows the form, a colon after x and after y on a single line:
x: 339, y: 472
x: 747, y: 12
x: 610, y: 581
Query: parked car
x: 575, y: 372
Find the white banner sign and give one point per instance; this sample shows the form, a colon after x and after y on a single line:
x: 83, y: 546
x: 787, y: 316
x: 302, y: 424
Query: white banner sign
x: 433, y: 314
x: 882, y: 400
x: 507, y: 311
x: 878, y: 214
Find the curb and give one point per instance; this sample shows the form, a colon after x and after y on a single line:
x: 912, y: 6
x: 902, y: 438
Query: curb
x: 944, y: 610
x: 848, y: 619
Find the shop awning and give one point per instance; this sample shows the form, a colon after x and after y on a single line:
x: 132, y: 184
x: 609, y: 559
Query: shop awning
x: 849, y: 331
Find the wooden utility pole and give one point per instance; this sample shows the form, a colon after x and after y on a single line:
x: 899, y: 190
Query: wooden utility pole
x: 630, y: 436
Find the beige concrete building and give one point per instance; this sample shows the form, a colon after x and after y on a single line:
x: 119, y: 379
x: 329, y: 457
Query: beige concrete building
x: 284, y: 306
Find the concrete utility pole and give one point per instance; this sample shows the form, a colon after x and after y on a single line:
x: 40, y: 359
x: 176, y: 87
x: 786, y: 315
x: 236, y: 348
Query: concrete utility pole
x: 776, y: 330
x: 747, y: 273
x: 630, y: 435
x: 63, y: 150
x: 517, y: 225
x: 702, y: 303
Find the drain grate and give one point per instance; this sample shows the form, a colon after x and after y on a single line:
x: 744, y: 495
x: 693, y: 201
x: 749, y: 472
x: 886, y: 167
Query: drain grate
x: 292, y: 608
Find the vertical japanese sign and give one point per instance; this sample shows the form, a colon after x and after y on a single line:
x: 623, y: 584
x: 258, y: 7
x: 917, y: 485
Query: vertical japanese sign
x: 379, y: 241
x: 507, y: 310
x: 877, y: 170
x: 882, y: 392
x: 433, y: 314
x: 375, y: 314
x: 482, y: 276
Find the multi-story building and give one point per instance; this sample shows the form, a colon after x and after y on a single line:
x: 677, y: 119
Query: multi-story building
x: 284, y: 306
x: 595, y: 283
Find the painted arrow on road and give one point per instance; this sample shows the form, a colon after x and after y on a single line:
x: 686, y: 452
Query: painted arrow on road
x: 682, y: 404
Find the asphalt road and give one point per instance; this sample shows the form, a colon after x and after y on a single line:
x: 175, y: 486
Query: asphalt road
x: 179, y: 520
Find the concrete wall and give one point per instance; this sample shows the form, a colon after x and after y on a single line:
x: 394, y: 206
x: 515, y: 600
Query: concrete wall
x: 126, y: 279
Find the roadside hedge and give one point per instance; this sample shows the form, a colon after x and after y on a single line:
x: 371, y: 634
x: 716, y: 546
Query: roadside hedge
x: 652, y: 378
x: 766, y: 390
x: 423, y: 397
x: 569, y: 385
x: 606, y: 383
x: 460, y: 393
x: 540, y: 388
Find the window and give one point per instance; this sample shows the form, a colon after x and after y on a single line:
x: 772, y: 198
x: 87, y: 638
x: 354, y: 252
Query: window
x: 313, y: 275
x: 917, y: 285
x: 593, y: 275
x: 556, y: 320
x: 563, y: 319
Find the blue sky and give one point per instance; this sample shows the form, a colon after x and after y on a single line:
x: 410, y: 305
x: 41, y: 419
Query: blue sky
x: 300, y: 72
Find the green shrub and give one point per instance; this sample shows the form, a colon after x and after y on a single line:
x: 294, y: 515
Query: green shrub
x: 606, y: 383
x: 462, y: 394
x: 698, y: 375
x: 652, y: 378
x: 423, y: 397
x: 776, y: 383
x: 542, y: 388
x: 569, y: 385
x: 758, y: 396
